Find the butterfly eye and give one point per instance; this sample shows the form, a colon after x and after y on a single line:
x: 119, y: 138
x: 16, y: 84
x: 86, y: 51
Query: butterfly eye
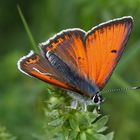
x: 97, y: 99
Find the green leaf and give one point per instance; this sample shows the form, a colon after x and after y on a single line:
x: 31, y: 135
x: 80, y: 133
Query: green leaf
x: 54, y: 114
x: 83, y: 136
x: 65, y: 132
x: 56, y: 122
x: 73, y: 124
x: 90, y: 137
x: 83, y: 119
x: 100, y: 123
x: 102, y: 129
x: 100, y: 137
x: 73, y: 134
x: 91, y: 116
x: 110, y: 136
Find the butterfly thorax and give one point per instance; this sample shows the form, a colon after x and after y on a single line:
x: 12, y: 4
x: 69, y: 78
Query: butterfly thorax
x: 86, y: 87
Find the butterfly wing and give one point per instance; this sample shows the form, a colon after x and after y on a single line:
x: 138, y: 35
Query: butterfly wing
x: 104, y: 46
x: 39, y: 67
x: 69, y: 46
x: 89, y: 57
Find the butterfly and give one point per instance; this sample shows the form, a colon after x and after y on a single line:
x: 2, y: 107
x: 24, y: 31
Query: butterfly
x: 78, y: 61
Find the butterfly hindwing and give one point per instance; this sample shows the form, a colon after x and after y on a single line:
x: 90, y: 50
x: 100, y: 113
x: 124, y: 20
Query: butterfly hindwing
x: 39, y: 67
x: 70, y: 76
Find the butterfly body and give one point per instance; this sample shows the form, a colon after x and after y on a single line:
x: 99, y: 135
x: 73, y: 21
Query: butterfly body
x: 78, y: 61
x: 72, y: 76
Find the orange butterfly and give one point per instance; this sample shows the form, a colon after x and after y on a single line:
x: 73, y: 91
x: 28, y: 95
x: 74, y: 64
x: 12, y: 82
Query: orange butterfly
x: 78, y: 61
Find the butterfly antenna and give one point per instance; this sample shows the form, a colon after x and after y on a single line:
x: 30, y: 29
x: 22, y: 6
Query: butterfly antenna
x: 120, y: 89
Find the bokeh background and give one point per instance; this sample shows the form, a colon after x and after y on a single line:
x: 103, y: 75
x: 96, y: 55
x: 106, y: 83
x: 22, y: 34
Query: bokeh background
x: 22, y: 97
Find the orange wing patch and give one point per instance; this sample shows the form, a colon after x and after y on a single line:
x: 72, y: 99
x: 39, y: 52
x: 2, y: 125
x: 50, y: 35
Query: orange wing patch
x: 104, y: 47
x: 32, y: 60
x: 49, y: 79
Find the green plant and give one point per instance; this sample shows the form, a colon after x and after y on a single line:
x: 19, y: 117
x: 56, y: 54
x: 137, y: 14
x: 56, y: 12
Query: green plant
x: 4, y: 135
x: 64, y: 123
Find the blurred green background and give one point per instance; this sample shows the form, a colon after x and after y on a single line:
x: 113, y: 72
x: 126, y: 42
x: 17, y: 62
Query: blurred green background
x: 22, y: 97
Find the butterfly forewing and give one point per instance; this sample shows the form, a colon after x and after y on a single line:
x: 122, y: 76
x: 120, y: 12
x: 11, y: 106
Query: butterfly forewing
x: 104, y: 46
x: 69, y: 46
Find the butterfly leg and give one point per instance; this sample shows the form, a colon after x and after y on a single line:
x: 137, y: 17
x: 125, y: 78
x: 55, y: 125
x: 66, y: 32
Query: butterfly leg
x: 74, y: 104
x: 84, y: 106
x: 98, y: 108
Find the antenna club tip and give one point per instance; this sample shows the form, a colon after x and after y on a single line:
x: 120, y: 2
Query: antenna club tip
x: 136, y: 87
